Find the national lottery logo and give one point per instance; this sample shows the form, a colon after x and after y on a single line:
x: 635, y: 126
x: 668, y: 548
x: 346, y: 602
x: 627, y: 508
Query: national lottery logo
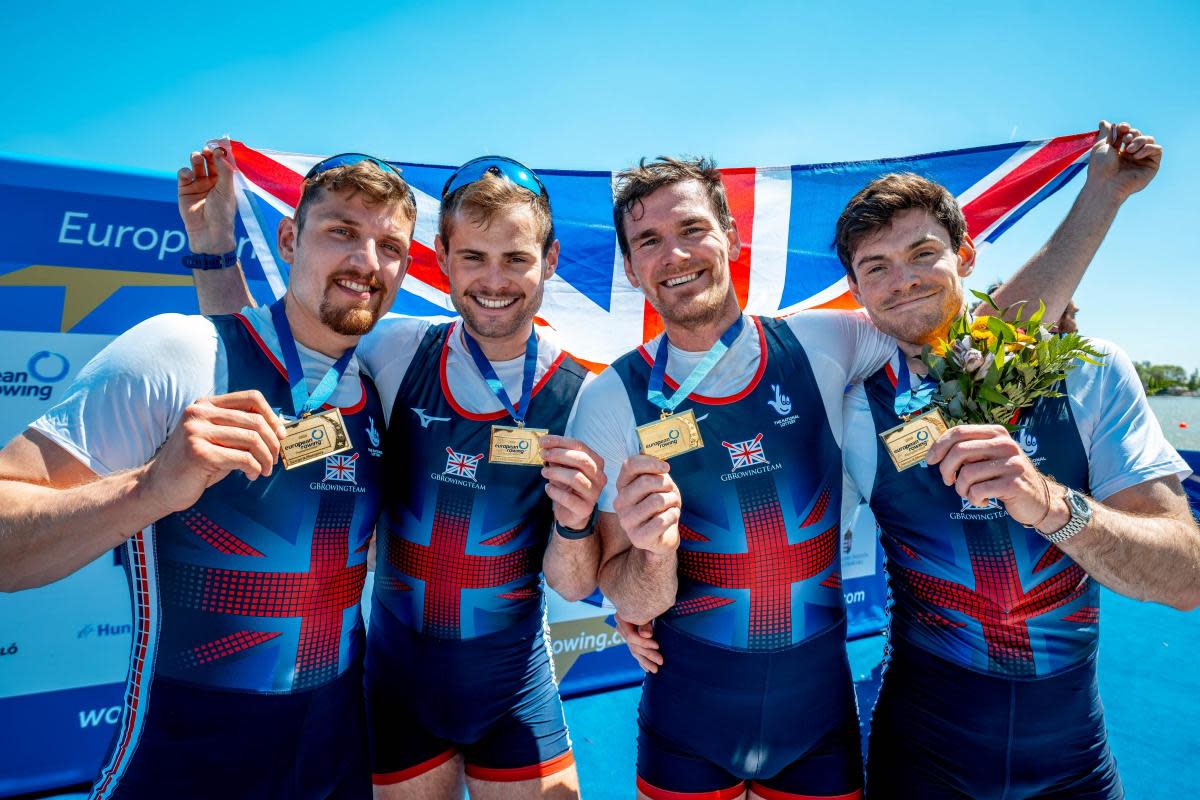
x: 372, y: 433
x: 782, y: 403
x: 747, y: 453
x: 461, y: 465
x: 1027, y: 441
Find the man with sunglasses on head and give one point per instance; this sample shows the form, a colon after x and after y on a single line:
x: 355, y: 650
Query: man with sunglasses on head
x: 246, y: 553
x: 459, y: 679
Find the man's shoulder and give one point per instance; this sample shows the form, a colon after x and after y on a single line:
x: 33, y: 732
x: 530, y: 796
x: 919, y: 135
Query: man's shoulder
x: 393, y: 330
x: 603, y: 387
x: 167, y: 339
x: 1112, y: 367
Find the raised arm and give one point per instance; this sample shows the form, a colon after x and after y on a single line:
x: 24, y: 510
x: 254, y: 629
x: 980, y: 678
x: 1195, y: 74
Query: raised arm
x: 57, y: 515
x: 1122, y: 162
x: 639, y: 541
x: 207, y: 205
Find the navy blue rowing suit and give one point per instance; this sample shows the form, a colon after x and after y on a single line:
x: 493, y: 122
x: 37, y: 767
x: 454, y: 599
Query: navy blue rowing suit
x: 246, y: 676
x: 990, y: 691
x: 457, y: 655
x: 755, y: 686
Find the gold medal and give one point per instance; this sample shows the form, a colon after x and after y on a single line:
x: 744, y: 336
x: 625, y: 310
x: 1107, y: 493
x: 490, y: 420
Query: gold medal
x: 312, y: 437
x: 909, y: 442
x: 671, y: 436
x: 516, y: 445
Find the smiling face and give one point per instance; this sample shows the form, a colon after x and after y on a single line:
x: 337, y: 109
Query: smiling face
x: 679, y: 255
x: 497, y: 270
x: 347, y: 260
x: 909, y: 276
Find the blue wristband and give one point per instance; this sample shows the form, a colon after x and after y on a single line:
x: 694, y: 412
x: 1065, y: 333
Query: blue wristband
x: 209, y: 261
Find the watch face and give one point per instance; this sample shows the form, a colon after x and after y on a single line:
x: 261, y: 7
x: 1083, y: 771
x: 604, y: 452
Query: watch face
x: 1079, y: 505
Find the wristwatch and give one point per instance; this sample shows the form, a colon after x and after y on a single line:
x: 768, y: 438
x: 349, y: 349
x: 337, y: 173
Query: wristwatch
x: 1081, y: 515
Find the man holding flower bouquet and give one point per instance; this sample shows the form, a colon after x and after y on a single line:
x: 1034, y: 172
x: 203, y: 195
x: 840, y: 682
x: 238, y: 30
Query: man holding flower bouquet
x: 1011, y: 472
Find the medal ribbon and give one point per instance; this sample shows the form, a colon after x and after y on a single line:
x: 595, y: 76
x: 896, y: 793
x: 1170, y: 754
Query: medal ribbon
x: 304, y: 402
x: 908, y: 399
x: 658, y: 372
x: 493, y: 381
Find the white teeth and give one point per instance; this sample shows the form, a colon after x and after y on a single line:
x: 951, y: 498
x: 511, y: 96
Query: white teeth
x: 682, y: 279
x: 353, y: 286
x: 489, y: 302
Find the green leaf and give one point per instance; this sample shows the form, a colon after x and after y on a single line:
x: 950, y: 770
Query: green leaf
x: 987, y: 298
x: 990, y: 394
x: 956, y: 408
x: 1004, y: 332
x: 1036, y: 318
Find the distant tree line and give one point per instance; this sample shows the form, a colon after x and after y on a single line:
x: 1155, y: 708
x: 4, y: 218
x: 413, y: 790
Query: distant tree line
x: 1169, y: 378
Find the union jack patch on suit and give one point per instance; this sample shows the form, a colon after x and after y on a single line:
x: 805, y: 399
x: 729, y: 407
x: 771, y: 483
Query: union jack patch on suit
x: 743, y: 454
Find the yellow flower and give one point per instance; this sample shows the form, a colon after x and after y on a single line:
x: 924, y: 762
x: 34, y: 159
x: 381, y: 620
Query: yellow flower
x: 1023, y: 341
x: 940, y: 347
x: 980, y: 332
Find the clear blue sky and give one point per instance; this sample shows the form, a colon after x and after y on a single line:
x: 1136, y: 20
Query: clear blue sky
x: 596, y: 85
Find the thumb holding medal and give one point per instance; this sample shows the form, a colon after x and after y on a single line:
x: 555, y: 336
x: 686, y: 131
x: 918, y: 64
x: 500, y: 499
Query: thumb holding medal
x: 215, y: 436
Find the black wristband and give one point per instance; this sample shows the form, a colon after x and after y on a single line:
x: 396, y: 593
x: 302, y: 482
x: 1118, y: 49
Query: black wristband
x: 577, y: 533
x: 210, y: 261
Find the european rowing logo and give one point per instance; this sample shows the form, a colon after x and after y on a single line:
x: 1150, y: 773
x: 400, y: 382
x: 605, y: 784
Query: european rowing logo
x: 43, y: 369
x: 461, y: 465
x: 744, y: 454
x: 340, y: 468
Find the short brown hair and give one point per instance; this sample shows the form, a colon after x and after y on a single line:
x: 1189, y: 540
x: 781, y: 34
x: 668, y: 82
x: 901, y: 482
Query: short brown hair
x: 376, y: 184
x: 873, y: 208
x: 482, y: 199
x: 638, y: 182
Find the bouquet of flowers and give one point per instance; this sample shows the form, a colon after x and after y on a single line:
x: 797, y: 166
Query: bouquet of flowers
x: 988, y: 369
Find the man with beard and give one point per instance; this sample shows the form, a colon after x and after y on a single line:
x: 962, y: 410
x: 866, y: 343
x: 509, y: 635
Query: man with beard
x: 997, y: 549
x: 734, y: 547
x: 459, y: 679
x: 246, y: 671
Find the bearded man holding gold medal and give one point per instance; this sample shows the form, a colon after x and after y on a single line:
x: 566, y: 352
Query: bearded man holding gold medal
x: 482, y: 492
x: 246, y: 574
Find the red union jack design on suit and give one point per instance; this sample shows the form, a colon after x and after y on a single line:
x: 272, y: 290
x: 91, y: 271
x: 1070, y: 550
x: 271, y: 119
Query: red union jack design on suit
x: 461, y: 464
x: 743, y: 454
x: 786, y: 262
x: 340, y: 467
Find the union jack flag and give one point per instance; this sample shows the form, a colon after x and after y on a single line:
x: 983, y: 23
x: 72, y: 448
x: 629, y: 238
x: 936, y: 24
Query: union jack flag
x: 786, y: 264
x: 461, y: 464
x: 743, y: 454
x: 340, y: 468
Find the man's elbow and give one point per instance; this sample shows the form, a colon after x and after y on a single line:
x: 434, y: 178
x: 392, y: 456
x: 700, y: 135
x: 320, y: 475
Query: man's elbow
x: 1186, y: 601
x: 571, y: 589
